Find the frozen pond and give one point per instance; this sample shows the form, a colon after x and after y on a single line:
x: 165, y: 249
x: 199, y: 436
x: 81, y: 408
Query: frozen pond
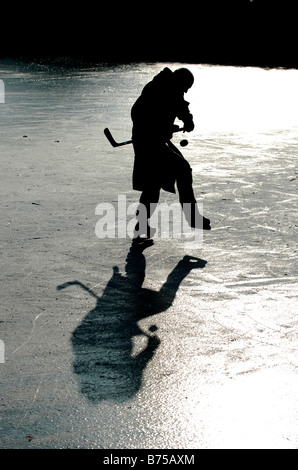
x: 175, y: 347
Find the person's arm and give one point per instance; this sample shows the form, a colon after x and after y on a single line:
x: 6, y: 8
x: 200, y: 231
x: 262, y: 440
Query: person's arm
x: 185, y: 116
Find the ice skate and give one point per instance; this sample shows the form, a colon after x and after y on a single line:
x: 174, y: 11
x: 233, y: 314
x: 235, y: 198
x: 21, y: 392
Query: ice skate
x: 195, y: 219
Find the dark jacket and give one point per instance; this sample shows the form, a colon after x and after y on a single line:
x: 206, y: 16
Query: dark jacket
x: 153, y: 116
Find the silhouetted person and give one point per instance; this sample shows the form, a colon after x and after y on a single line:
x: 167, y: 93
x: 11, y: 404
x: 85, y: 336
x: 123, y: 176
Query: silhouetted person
x: 158, y: 163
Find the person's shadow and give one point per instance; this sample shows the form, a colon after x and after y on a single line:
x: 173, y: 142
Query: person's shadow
x: 103, y: 343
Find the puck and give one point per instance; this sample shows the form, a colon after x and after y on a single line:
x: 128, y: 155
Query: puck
x: 184, y: 143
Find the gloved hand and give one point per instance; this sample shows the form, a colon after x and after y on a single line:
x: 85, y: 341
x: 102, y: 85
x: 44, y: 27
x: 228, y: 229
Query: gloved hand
x: 189, y: 125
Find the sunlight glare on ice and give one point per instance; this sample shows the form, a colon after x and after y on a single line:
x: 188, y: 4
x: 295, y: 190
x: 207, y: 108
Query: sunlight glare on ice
x: 231, y: 99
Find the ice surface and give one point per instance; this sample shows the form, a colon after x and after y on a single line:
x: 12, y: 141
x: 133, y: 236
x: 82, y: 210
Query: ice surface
x: 176, y: 347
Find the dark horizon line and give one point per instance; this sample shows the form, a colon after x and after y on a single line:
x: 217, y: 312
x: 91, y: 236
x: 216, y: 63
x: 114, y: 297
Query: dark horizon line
x: 69, y: 59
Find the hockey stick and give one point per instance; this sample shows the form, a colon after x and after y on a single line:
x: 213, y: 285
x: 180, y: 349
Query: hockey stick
x: 113, y: 142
